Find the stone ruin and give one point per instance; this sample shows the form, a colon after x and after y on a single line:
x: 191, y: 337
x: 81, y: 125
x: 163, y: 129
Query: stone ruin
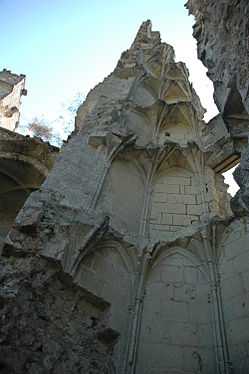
x: 24, y: 162
x: 128, y: 259
x: 12, y: 87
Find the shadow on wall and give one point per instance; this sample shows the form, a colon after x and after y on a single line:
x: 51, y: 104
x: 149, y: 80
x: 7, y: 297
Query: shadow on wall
x: 17, y: 180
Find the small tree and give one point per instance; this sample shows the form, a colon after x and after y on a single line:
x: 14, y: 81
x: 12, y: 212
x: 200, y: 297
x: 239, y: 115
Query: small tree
x: 56, y: 130
x: 40, y: 129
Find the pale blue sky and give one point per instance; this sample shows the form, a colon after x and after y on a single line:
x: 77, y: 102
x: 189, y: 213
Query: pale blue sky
x: 65, y: 47
x: 68, y: 46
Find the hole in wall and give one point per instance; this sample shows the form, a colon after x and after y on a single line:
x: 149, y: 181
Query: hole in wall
x: 229, y: 179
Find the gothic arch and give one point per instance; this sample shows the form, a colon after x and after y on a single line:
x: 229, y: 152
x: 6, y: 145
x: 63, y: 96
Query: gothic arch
x: 123, y: 194
x: 127, y: 254
x: 171, y: 251
x: 176, y: 312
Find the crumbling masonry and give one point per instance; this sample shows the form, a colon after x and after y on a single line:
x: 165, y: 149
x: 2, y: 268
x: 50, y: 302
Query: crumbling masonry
x: 128, y: 258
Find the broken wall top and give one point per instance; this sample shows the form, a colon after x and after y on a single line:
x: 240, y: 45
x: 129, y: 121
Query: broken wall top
x: 222, y: 31
x: 146, y: 93
x: 12, y: 87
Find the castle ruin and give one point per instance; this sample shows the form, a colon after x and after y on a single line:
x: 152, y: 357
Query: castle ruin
x: 130, y: 257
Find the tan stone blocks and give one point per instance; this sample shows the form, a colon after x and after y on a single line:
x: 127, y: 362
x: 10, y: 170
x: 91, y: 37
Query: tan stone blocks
x: 171, y: 273
x: 179, y: 180
x: 166, y: 219
x: 183, y: 199
x: 191, y: 190
x: 195, y: 209
x: 167, y: 188
x: 181, y: 220
x: 175, y: 208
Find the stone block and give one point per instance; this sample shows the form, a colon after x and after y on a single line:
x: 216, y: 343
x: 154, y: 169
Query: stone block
x: 237, y: 307
x: 191, y: 274
x: 198, y: 360
x: 241, y: 262
x: 176, y: 311
x: 156, y: 210
x: 171, y: 188
x: 226, y: 268
x: 195, y: 209
x: 183, y: 199
x: 199, y: 198
x: 245, y: 278
x: 159, y: 188
x: 231, y: 287
x: 176, y: 208
x: 191, y: 190
x: 155, y: 276
x: 154, y: 358
x: 171, y: 273
x: 181, y: 220
x: 237, y: 331
x: 175, y: 228
x: 166, y: 219
x: 182, y: 333
x: 161, y: 235
x: 178, y: 180
x: 200, y: 310
x: 159, y: 197
x: 182, y: 189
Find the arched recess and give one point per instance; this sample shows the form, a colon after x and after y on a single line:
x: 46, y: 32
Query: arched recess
x: 123, y: 193
x: 176, y: 200
x: 138, y: 122
x: 234, y: 271
x: 176, y: 332
x: 178, y: 125
x: 18, y: 178
x: 108, y: 273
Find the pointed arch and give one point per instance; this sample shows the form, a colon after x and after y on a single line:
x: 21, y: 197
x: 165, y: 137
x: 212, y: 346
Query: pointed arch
x: 127, y: 253
x: 166, y: 252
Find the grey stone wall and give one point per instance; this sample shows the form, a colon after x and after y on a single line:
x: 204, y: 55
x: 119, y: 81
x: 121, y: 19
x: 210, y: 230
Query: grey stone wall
x: 48, y: 325
x: 176, y: 327
x: 234, y: 270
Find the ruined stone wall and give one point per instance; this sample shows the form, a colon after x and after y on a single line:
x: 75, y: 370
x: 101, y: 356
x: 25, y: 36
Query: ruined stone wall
x: 176, y: 327
x: 48, y: 325
x: 174, y: 201
x: 12, y: 87
x: 24, y: 165
x: 234, y: 272
x: 222, y: 31
x: 125, y: 209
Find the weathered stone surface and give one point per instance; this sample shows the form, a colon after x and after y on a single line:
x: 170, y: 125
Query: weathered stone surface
x: 12, y: 87
x: 222, y: 31
x: 240, y: 202
x: 48, y: 325
x: 24, y: 165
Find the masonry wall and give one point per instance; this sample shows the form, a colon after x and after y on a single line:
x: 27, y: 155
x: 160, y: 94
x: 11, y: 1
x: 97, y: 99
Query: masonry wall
x: 108, y: 273
x: 234, y: 270
x: 123, y: 195
x: 48, y: 325
x: 10, y: 120
x: 176, y: 333
x: 175, y: 202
